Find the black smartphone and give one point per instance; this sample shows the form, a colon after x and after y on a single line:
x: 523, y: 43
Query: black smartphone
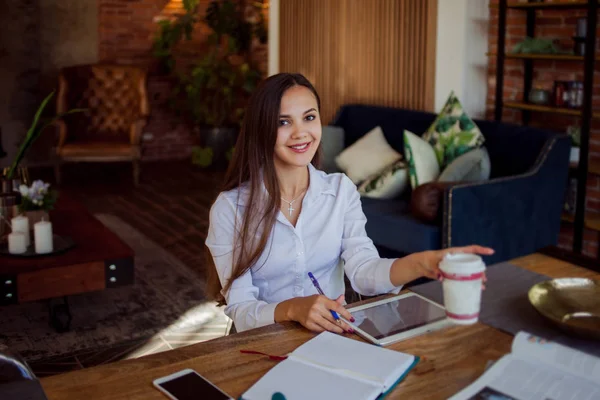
x: 187, y: 384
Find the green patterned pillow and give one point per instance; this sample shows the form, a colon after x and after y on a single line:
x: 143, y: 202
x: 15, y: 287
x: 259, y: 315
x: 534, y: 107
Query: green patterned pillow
x: 453, y: 133
x: 388, y: 183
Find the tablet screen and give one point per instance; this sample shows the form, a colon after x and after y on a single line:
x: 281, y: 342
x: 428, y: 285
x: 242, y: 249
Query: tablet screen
x: 397, y: 316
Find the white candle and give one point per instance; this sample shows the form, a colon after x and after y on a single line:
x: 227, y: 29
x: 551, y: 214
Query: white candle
x: 21, y: 224
x: 43, y: 237
x: 16, y: 243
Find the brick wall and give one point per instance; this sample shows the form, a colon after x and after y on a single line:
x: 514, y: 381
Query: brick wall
x: 126, y: 31
x: 560, y: 25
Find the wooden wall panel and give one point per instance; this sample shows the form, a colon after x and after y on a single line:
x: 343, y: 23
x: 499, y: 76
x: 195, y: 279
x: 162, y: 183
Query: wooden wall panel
x: 362, y: 51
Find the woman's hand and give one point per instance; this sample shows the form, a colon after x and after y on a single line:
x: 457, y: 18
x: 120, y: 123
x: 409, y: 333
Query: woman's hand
x: 313, y: 312
x: 429, y: 263
x: 426, y: 263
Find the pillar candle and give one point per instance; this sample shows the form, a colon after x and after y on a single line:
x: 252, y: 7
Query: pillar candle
x: 21, y: 224
x: 43, y: 237
x: 16, y: 243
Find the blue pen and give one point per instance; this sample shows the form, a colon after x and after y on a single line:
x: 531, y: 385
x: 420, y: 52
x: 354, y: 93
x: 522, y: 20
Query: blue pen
x: 316, y: 284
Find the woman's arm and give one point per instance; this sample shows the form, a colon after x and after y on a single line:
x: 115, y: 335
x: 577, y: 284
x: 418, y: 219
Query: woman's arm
x: 371, y: 275
x: 426, y: 263
x: 243, y: 306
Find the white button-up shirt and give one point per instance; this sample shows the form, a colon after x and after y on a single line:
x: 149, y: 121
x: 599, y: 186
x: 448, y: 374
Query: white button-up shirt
x: 328, y: 239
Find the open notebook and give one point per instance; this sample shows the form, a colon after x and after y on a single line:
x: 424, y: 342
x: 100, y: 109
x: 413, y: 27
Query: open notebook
x: 330, y: 366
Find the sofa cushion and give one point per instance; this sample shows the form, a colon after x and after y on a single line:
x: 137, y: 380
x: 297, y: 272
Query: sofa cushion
x: 368, y: 156
x: 453, y: 132
x: 388, y: 184
x: 473, y: 166
x: 332, y: 144
x: 422, y: 163
x: 358, y: 119
x: 389, y: 224
x: 513, y: 149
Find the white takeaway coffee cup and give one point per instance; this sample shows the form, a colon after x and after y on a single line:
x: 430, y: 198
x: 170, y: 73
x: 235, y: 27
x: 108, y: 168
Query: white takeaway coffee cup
x: 463, y: 277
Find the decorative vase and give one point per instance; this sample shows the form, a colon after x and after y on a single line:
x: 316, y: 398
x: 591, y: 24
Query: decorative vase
x: 21, y: 176
x: 36, y: 216
x: 9, y: 203
x: 218, y: 142
x: 539, y: 96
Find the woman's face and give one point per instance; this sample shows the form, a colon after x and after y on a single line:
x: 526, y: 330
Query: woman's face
x: 299, y: 132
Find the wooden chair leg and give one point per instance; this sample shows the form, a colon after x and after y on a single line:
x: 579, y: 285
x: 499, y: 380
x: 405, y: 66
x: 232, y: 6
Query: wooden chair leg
x: 136, y: 172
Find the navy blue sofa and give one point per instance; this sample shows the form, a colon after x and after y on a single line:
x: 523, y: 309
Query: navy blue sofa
x: 516, y: 212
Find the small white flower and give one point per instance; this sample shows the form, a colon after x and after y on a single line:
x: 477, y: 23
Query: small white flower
x: 24, y: 190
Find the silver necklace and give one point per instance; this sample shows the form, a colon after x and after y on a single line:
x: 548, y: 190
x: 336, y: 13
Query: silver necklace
x: 291, y: 208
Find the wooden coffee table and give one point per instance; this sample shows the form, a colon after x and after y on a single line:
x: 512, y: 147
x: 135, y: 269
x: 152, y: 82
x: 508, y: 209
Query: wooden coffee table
x: 99, y: 260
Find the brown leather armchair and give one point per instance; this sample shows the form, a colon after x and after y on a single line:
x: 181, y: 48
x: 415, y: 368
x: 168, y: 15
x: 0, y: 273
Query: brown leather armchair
x: 116, y: 103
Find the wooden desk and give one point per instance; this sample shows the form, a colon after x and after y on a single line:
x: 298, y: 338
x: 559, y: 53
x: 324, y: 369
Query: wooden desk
x: 451, y: 358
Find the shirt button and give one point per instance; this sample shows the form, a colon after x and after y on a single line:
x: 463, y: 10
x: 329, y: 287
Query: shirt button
x: 300, y: 253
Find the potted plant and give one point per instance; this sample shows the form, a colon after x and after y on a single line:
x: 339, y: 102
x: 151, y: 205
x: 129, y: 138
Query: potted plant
x: 170, y: 32
x: 575, y: 133
x: 33, y: 133
x: 36, y: 201
x: 14, y: 175
x: 212, y: 93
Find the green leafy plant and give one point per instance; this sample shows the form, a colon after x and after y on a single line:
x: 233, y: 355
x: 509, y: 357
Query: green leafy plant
x: 229, y: 154
x: 34, y: 132
x: 531, y: 45
x: 202, y: 156
x: 214, y: 90
x: 170, y: 33
x: 575, y: 133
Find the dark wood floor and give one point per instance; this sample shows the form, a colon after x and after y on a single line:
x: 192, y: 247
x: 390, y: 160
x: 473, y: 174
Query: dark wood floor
x: 170, y: 206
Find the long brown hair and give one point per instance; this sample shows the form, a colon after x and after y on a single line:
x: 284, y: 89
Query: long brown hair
x: 254, y: 152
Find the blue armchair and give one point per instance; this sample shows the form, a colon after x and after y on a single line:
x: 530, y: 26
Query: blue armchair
x: 516, y: 212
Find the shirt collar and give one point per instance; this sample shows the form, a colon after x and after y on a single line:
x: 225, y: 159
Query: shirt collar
x: 318, y: 184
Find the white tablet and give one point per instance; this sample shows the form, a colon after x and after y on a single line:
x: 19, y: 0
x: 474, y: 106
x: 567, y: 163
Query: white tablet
x: 397, y: 318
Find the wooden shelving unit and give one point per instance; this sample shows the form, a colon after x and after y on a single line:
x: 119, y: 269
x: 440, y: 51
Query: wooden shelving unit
x: 551, y: 57
x: 547, y: 6
x: 546, y: 109
x: 593, y: 167
x: 581, y: 220
x: 592, y: 221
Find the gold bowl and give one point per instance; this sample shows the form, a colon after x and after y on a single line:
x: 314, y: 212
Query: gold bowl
x: 573, y: 304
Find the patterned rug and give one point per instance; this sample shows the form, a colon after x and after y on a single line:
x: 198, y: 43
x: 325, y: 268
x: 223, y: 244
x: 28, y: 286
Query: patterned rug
x: 166, y: 297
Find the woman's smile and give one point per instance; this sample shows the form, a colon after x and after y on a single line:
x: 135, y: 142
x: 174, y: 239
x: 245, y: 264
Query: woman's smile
x: 301, y: 148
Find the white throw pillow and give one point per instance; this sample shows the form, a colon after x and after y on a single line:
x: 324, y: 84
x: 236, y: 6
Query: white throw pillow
x: 423, y: 165
x: 390, y: 183
x: 367, y: 156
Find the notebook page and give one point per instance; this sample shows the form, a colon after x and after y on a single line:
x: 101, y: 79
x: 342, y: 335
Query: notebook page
x: 299, y: 381
x: 369, y: 361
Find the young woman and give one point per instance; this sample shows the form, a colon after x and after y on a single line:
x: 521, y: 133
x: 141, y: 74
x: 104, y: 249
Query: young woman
x: 279, y: 218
